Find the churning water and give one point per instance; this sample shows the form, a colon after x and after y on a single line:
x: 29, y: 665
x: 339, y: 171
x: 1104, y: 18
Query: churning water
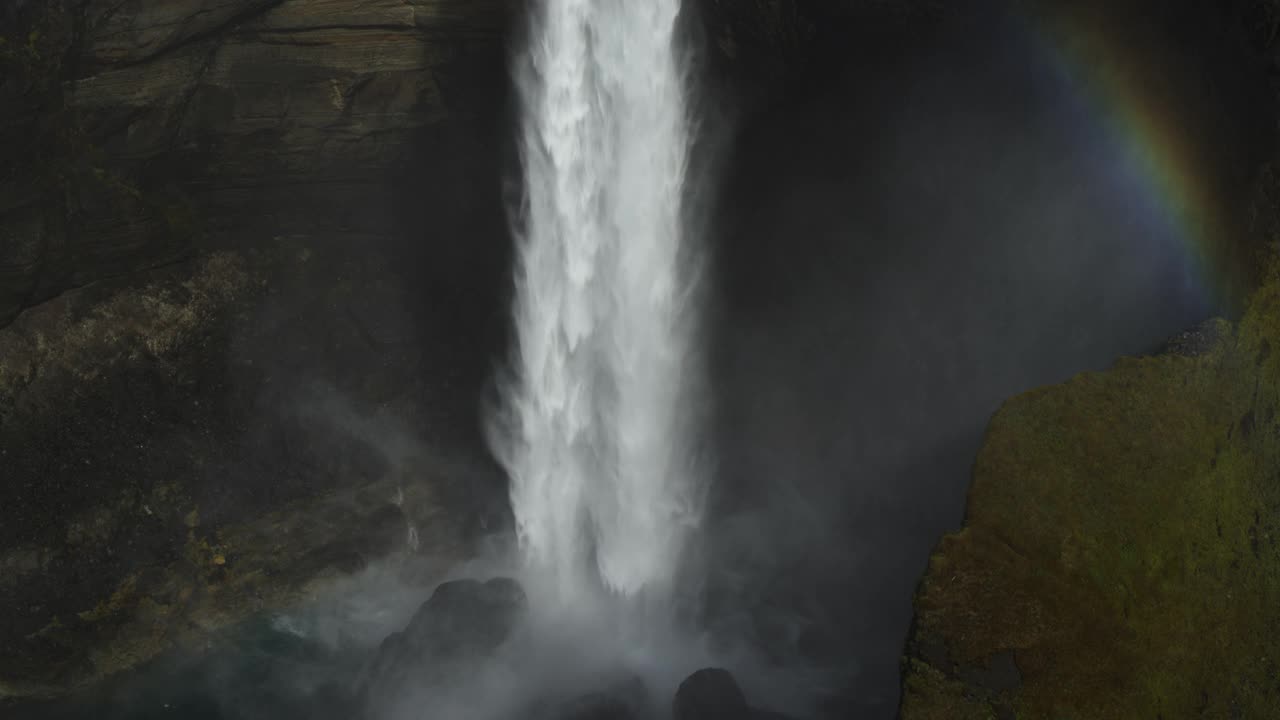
x: 597, y: 439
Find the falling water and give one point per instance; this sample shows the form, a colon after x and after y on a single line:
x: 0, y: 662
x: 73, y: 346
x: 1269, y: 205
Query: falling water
x: 598, y: 437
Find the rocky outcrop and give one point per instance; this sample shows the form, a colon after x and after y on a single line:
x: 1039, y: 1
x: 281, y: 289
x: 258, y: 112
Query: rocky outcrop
x: 187, y: 446
x: 1118, y: 558
x: 459, y: 626
x: 713, y: 694
x: 710, y: 694
x: 225, y: 183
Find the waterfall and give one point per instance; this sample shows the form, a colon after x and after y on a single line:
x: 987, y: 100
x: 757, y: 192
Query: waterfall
x: 597, y: 432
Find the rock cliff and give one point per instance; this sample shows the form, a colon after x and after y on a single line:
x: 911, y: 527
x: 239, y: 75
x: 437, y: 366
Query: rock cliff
x: 136, y: 130
x: 1119, y: 555
x: 221, y: 218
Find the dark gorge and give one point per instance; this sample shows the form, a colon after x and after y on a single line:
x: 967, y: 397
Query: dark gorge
x: 987, y: 324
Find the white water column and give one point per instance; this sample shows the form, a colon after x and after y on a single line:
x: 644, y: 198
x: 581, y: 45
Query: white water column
x: 597, y: 430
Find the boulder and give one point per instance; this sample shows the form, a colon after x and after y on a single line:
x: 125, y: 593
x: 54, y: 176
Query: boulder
x: 713, y: 694
x: 465, y: 617
x: 710, y: 694
x: 462, y: 622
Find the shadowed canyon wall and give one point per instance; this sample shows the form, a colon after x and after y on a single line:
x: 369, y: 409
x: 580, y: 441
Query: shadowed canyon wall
x: 262, y: 248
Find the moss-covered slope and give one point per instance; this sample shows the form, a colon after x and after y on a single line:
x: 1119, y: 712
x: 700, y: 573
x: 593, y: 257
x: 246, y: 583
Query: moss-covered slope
x: 1119, y: 558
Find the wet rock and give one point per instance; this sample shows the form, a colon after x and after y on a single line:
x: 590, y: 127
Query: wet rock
x: 462, y: 622
x: 465, y: 617
x: 714, y: 694
x: 710, y: 694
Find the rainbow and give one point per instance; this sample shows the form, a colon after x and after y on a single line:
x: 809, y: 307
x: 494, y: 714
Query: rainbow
x: 1119, y: 85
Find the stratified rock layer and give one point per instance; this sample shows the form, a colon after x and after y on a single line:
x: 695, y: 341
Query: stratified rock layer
x: 1119, y: 558
x: 133, y: 130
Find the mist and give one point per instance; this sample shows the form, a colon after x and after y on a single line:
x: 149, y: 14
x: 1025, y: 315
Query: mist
x: 942, y: 222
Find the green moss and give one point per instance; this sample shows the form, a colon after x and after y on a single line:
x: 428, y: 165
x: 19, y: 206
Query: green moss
x: 934, y: 696
x: 1120, y: 540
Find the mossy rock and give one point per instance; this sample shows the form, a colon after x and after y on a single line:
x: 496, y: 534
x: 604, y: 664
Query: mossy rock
x: 1121, y: 543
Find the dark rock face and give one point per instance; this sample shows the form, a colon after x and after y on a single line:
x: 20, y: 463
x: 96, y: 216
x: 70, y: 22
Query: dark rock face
x: 135, y: 131
x: 785, y: 37
x: 65, y: 219
x: 462, y: 622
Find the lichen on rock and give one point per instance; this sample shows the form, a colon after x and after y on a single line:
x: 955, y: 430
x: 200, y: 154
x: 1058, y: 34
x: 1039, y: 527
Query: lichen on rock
x: 1120, y: 543
x: 88, y: 522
